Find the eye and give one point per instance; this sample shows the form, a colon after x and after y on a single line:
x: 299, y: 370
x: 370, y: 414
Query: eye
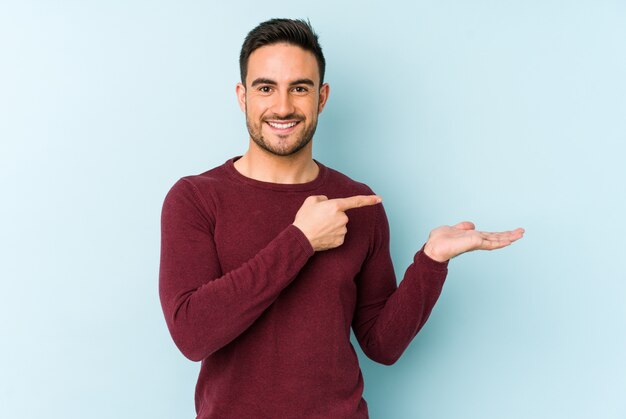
x: 265, y: 89
x: 300, y: 89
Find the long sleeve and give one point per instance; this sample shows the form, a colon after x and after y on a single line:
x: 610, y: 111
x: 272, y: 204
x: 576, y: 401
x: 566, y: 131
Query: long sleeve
x: 206, y: 308
x: 387, y: 316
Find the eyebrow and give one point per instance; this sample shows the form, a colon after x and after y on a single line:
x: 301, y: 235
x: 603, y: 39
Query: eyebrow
x: 261, y: 80
x: 308, y: 82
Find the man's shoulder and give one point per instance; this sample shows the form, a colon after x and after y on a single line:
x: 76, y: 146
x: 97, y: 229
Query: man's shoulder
x: 198, y: 187
x: 221, y: 178
x: 209, y: 178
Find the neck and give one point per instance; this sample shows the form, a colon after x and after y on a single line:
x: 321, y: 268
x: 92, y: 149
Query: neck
x: 260, y: 165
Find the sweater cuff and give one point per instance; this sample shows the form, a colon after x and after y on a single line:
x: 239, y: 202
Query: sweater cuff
x: 304, y: 242
x: 427, y: 261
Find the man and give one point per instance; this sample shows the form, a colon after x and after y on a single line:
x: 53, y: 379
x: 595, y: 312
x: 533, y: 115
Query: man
x: 261, y: 274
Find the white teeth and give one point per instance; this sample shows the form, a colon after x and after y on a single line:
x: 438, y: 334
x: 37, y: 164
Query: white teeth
x: 282, y: 126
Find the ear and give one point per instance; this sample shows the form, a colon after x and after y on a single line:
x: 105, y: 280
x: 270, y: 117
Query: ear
x: 324, y: 92
x: 241, y: 96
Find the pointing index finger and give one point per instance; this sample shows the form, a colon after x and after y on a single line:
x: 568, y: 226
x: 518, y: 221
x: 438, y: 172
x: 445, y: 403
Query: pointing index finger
x: 357, y: 201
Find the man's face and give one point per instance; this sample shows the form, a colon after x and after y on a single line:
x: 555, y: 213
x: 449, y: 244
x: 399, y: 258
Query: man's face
x: 282, y: 98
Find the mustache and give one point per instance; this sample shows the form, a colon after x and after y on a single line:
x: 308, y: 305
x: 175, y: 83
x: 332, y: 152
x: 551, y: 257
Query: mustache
x: 289, y: 117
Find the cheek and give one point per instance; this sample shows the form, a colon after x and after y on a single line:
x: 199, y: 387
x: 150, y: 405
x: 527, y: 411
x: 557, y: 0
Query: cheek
x: 251, y: 112
x: 256, y: 107
x: 309, y: 106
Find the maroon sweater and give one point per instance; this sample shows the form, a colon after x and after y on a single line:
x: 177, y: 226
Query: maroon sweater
x: 243, y: 291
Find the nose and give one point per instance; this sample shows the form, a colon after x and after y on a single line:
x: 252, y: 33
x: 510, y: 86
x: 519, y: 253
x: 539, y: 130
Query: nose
x: 283, y: 104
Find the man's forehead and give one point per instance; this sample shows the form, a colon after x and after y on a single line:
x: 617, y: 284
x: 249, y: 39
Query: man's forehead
x: 282, y: 63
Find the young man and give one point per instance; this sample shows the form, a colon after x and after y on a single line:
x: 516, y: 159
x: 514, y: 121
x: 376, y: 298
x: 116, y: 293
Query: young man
x: 261, y: 274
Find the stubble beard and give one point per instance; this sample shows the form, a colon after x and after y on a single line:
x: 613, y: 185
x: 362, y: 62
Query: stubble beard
x: 304, y: 139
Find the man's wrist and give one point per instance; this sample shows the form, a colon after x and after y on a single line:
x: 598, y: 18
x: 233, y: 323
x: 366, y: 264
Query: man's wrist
x: 306, y: 236
x: 431, y: 251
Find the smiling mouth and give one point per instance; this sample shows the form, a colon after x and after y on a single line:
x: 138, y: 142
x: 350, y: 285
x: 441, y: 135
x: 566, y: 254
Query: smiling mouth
x: 282, y: 125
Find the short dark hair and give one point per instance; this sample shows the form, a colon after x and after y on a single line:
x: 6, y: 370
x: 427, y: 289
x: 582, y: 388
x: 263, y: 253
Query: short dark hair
x: 291, y: 31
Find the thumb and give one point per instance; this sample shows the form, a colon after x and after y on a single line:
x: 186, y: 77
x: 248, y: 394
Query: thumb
x: 465, y: 225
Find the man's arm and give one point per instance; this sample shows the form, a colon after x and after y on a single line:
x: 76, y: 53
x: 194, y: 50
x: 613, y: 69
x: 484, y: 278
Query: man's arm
x: 204, y: 308
x: 388, y: 317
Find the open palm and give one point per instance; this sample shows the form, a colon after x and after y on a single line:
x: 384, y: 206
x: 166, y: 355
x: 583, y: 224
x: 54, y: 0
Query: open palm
x: 446, y: 242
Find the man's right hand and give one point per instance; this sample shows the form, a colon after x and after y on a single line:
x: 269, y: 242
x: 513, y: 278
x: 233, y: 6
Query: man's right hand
x: 323, y: 221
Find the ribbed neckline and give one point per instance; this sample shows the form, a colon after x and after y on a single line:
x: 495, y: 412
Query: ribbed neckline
x: 234, y: 174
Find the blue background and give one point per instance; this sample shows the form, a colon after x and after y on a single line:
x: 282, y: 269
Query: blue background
x: 509, y: 113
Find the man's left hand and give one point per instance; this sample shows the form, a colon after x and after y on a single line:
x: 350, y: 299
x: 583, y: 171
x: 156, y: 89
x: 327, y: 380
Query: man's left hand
x: 446, y: 242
